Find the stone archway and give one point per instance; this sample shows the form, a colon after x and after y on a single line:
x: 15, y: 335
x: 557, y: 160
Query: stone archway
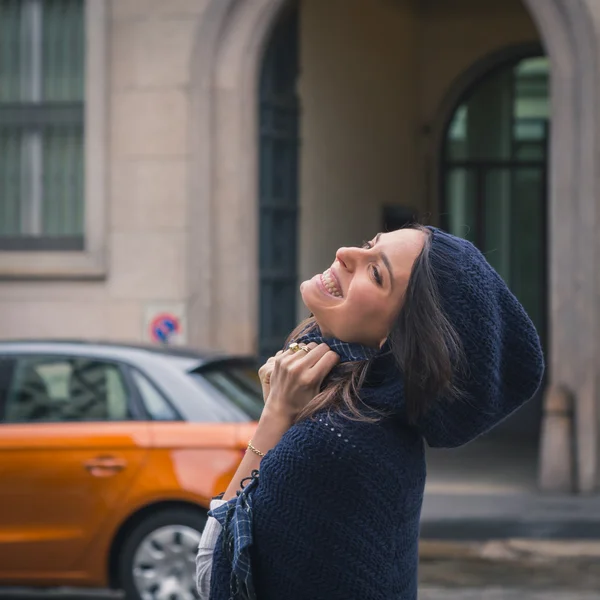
x: 570, y: 38
x: 223, y: 191
x: 223, y: 183
x: 529, y: 281
x: 466, y: 81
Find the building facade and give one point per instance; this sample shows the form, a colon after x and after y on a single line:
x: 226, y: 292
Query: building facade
x: 200, y: 158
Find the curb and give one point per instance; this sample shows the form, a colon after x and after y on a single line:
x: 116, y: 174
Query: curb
x: 509, y: 550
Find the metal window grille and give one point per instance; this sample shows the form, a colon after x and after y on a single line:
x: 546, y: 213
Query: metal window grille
x: 494, y: 176
x: 42, y: 57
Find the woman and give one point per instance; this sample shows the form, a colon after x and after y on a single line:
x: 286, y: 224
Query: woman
x: 436, y: 350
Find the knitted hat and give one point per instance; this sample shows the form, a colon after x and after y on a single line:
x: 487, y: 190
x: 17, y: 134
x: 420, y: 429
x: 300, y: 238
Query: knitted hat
x: 503, y: 356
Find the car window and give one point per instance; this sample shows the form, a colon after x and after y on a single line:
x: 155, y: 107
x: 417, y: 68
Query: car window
x: 157, y: 406
x: 6, y: 372
x: 239, y: 384
x: 53, y: 388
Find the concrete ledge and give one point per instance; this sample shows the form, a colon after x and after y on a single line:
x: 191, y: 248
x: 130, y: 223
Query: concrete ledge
x: 522, y: 550
x: 570, y: 565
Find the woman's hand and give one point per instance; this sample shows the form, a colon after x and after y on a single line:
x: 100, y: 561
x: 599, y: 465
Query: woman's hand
x: 290, y: 380
x: 264, y: 374
x: 295, y: 378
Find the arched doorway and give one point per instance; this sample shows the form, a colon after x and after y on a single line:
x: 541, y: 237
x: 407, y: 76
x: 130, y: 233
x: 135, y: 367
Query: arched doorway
x: 278, y: 109
x: 223, y: 277
x: 493, y: 174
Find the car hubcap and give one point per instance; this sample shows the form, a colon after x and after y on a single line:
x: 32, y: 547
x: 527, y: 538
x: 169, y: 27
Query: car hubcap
x: 164, y: 564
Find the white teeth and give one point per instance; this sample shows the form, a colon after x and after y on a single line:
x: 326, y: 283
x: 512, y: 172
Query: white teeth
x: 330, y: 284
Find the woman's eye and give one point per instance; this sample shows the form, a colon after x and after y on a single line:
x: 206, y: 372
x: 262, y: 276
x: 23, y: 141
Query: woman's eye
x: 377, y: 276
x: 367, y: 245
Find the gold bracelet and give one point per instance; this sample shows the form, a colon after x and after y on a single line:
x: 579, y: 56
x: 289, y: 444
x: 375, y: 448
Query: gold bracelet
x: 253, y: 449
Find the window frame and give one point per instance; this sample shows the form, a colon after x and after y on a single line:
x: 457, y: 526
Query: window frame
x: 35, y: 258
x: 130, y: 370
x: 226, y: 370
x: 11, y: 364
x: 466, y: 85
x: 134, y: 400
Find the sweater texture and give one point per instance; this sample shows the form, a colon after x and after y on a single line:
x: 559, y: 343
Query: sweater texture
x: 235, y: 515
x: 336, y: 512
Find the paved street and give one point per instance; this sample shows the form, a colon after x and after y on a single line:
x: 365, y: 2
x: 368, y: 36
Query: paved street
x: 426, y: 593
x: 503, y: 594
x: 22, y: 594
x: 523, y: 577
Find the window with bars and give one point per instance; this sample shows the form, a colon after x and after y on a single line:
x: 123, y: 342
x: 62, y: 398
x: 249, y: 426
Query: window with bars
x: 494, y: 174
x: 42, y: 58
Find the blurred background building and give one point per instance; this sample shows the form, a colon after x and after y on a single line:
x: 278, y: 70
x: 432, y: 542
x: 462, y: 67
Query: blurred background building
x: 186, y: 163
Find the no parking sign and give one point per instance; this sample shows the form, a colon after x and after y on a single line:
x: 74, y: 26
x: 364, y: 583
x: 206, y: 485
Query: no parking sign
x: 164, y: 328
x: 165, y: 323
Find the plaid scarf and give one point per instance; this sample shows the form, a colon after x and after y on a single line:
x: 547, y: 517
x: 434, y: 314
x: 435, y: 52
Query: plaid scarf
x: 348, y: 352
x: 235, y: 516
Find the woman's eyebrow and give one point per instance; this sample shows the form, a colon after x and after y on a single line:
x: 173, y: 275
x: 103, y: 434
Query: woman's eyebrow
x: 388, y: 264
x: 386, y: 261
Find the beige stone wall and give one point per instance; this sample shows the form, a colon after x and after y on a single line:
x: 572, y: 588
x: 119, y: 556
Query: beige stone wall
x: 150, y: 46
x: 374, y: 74
x: 358, y: 94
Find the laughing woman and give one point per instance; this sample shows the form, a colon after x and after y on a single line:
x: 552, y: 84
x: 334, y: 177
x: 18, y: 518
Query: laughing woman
x: 414, y: 339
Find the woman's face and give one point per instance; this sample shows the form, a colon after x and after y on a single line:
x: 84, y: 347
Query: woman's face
x: 358, y: 298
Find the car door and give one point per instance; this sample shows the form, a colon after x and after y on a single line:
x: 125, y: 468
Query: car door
x: 197, y: 458
x: 70, y: 448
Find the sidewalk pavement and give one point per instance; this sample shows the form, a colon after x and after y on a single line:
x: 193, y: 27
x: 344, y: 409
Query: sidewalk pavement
x: 431, y: 593
x: 573, y: 566
x: 425, y: 593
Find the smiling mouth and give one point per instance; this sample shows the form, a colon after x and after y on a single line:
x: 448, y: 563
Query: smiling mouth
x: 330, y: 284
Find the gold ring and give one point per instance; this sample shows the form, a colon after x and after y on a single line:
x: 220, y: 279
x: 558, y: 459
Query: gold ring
x: 305, y: 348
x: 294, y: 347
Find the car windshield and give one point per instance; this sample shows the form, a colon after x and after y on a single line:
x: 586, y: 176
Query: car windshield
x: 240, y: 384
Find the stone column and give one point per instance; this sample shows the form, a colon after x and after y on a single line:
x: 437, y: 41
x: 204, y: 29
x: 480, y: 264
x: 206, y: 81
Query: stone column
x: 569, y: 30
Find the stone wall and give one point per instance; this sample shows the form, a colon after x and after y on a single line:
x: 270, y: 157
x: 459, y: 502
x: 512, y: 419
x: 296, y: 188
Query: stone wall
x: 148, y: 71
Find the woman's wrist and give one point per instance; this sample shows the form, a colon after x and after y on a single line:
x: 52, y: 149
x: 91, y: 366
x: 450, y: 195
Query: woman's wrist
x: 271, y: 427
x: 276, y: 414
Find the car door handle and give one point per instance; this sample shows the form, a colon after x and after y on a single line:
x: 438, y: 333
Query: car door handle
x: 101, y: 464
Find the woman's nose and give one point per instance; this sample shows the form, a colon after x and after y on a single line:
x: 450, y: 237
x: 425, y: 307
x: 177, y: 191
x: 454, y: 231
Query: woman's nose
x: 348, y: 257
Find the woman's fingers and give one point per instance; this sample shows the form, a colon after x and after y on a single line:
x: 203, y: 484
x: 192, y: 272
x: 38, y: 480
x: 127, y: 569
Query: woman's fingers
x: 303, y: 359
x: 304, y: 355
x: 297, y: 376
x: 295, y: 355
x: 268, y: 366
x: 316, y: 353
x: 324, y: 365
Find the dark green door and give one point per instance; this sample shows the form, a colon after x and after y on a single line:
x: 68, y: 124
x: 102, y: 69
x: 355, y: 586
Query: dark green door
x: 278, y: 186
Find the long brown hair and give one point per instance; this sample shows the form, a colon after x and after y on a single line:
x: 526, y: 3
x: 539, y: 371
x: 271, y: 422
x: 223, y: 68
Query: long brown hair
x: 423, y: 343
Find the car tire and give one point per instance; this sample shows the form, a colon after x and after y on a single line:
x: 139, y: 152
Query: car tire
x: 163, y: 548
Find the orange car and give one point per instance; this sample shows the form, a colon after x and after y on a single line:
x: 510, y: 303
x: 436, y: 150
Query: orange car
x: 109, y: 456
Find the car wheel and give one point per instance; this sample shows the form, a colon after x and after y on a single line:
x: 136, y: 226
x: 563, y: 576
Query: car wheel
x: 158, y: 558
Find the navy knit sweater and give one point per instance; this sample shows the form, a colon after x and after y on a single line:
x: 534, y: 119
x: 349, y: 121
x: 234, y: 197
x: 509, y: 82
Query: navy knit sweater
x: 336, y: 512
